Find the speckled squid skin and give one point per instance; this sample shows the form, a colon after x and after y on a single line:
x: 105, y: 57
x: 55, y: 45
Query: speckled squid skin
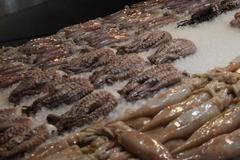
x: 123, y: 68
x: 150, y: 81
x: 10, y: 113
x: 13, y: 128
x: 173, y: 50
x: 40, y: 51
x: 207, y: 10
x: 89, y: 61
x: 145, y: 41
x: 26, y: 141
x: 223, y: 147
x: 34, y: 82
x: 11, y: 73
x: 88, y: 109
x: 88, y: 26
x: 107, y: 35
x: 67, y: 92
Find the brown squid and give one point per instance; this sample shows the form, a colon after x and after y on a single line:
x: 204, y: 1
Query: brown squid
x: 150, y: 81
x: 172, y: 96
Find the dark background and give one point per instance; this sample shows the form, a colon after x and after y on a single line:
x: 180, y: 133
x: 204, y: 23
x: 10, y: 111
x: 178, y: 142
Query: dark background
x: 20, y: 21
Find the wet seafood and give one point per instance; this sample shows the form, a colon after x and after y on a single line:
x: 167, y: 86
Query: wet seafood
x: 88, y: 109
x: 210, y: 11
x: 11, y: 55
x: 34, y: 82
x: 90, y: 61
x: 138, y: 123
x: 224, y: 123
x: 90, y: 25
x: 145, y: 42
x: 150, y: 81
x: 71, y: 153
x: 11, y: 73
x: 10, y: 113
x: 139, y: 144
x: 222, y: 147
x: 173, y: 50
x: 125, y: 67
x: 68, y: 92
x: 172, y: 96
x: 171, y: 112
x: 13, y: 128
x: 26, y: 141
x: 42, y: 50
x: 80, y: 138
x: 107, y: 35
x: 193, y: 119
x: 236, y: 21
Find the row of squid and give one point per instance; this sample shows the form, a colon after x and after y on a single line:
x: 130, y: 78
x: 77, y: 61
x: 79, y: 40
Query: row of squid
x: 50, y: 67
x: 108, y: 50
x: 196, y: 119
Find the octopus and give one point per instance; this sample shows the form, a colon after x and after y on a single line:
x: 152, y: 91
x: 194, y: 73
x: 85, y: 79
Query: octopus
x: 145, y: 41
x: 126, y: 66
x: 43, y: 50
x: 210, y: 11
x: 88, y: 109
x: 89, y: 61
x: 11, y: 73
x: 173, y: 50
x: 224, y: 147
x: 150, y: 81
x: 34, y: 82
x: 236, y: 21
x: 67, y: 92
x: 26, y: 140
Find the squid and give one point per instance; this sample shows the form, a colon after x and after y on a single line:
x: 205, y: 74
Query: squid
x: 224, y: 123
x: 171, y: 112
x: 172, y: 96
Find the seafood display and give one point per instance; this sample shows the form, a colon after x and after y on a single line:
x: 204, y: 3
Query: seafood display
x: 89, y: 61
x: 145, y: 42
x: 86, y: 110
x: 236, y: 21
x: 151, y: 80
x: 19, y: 133
x: 189, y: 121
x: 123, y: 68
x: 11, y: 73
x: 173, y: 50
x: 110, y: 89
x: 67, y: 92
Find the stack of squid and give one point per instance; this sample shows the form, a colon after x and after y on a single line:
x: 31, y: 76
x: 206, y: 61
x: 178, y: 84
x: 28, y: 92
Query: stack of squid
x: 196, y: 119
